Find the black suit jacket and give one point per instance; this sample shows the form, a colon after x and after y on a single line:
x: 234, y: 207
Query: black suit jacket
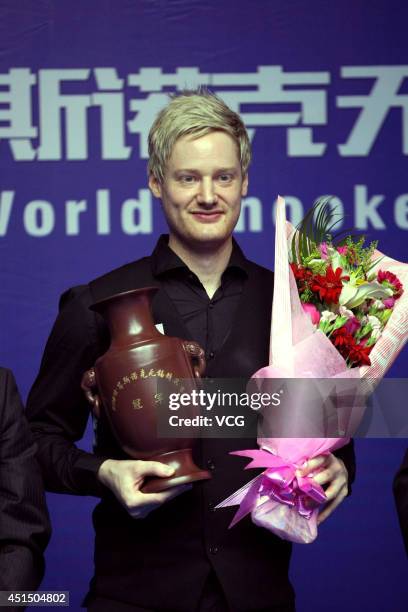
x: 401, y: 497
x: 162, y: 561
x: 24, y: 524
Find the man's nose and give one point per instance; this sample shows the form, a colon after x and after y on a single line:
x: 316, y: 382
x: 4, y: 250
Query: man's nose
x: 206, y: 195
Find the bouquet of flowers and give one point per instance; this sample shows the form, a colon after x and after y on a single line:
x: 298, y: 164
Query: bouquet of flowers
x: 339, y: 312
x: 343, y: 286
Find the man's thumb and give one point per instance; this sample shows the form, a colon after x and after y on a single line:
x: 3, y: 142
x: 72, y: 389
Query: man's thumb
x: 155, y: 468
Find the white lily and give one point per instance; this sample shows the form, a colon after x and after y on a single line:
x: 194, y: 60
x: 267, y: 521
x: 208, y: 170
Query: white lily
x: 354, y: 294
x: 337, y: 260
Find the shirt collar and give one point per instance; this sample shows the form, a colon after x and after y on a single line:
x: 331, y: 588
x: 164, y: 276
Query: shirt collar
x: 165, y: 260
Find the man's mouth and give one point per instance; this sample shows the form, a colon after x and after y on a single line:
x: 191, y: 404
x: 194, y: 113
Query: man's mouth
x: 207, y: 216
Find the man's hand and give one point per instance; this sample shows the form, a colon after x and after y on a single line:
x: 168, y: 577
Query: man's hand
x: 126, y: 478
x: 330, y: 471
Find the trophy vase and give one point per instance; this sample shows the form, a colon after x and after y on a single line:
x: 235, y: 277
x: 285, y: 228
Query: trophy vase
x: 125, y: 383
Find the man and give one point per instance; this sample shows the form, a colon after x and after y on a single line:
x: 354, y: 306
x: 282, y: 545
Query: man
x: 181, y: 556
x: 400, y: 487
x: 24, y: 523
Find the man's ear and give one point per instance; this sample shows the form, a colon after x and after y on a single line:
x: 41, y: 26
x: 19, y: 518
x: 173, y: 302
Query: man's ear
x: 155, y: 186
x: 244, y: 186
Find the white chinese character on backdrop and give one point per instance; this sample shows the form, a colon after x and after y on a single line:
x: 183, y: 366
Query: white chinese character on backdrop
x: 63, y: 117
x: 275, y: 86
x: 375, y: 106
x: 16, y: 111
x: 57, y: 110
x: 51, y: 103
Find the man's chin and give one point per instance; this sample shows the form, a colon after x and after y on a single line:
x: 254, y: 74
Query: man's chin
x: 208, y: 240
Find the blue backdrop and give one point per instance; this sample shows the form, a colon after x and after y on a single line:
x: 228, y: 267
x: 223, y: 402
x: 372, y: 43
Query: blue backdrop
x: 323, y: 89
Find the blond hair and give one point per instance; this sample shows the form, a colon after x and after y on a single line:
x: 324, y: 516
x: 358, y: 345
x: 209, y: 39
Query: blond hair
x: 194, y: 113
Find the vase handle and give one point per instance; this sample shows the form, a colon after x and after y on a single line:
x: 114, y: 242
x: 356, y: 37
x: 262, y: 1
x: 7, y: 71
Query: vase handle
x: 196, y: 354
x: 89, y: 386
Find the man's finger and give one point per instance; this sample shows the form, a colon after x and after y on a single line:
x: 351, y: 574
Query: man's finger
x: 325, y: 476
x: 330, y: 507
x: 153, y: 468
x: 335, y: 488
x: 313, y: 464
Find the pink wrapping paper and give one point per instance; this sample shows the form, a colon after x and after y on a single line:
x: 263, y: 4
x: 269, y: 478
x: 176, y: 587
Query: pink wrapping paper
x: 395, y: 334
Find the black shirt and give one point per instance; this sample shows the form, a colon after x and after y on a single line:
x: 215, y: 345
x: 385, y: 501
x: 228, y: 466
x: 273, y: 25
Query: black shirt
x: 207, y: 319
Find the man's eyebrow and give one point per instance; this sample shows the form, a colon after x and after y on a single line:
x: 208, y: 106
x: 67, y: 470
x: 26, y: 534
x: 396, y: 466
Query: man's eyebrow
x: 196, y: 171
x: 179, y: 170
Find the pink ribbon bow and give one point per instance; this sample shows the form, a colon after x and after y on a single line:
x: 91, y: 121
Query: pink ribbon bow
x: 278, y: 482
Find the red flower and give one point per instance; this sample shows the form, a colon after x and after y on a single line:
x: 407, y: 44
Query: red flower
x: 298, y: 271
x: 341, y: 337
x: 302, y: 276
x: 329, y: 286
x: 393, y: 280
x: 343, y: 341
x: 359, y: 355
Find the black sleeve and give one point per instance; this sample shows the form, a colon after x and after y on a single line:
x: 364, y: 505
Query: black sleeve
x: 56, y: 407
x: 24, y: 522
x: 401, y: 498
x: 347, y: 455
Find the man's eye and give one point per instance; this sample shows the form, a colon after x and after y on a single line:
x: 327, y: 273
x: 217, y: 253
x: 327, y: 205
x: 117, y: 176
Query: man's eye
x: 187, y: 178
x: 225, y: 178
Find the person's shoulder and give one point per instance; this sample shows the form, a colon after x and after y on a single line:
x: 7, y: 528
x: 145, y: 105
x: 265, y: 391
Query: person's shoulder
x: 130, y: 276
x: 8, y: 391
x: 7, y: 382
x: 119, y: 279
x: 261, y: 282
x: 121, y: 274
x: 258, y: 270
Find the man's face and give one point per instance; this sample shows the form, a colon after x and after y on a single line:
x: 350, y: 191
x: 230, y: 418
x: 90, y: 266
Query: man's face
x: 202, y: 189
